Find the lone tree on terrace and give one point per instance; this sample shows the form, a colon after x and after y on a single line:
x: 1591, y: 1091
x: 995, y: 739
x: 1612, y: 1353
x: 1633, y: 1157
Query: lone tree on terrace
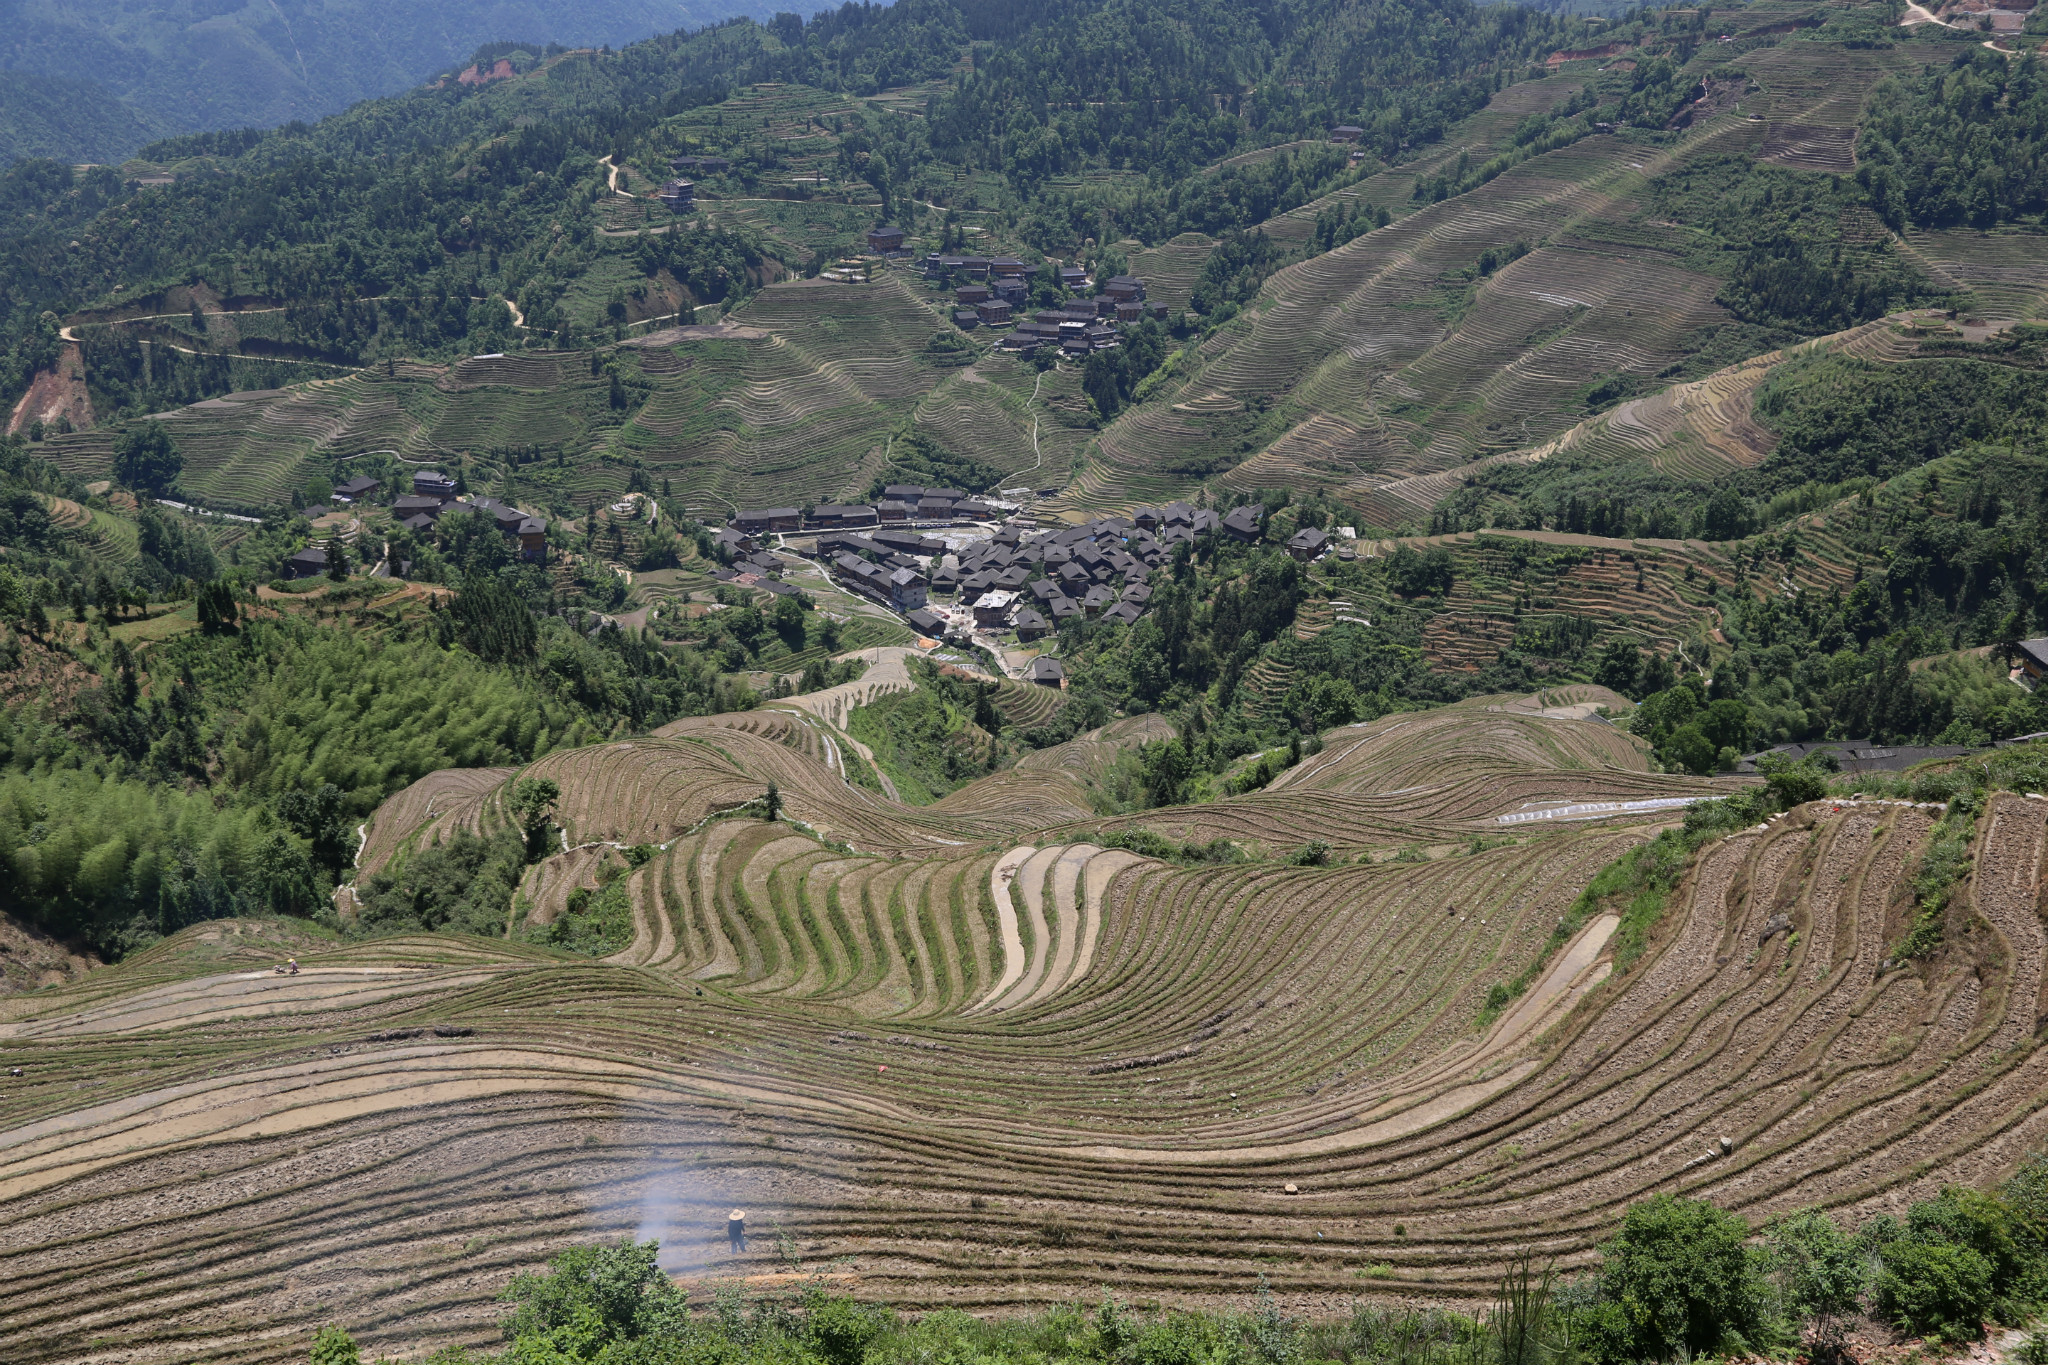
x: 533, y: 805
x: 146, y: 458
x: 216, y: 606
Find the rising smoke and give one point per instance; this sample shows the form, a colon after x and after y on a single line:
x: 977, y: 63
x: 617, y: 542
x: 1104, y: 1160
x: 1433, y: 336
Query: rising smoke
x: 676, y: 1210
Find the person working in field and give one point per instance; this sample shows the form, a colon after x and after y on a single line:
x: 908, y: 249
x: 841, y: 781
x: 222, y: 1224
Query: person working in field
x: 736, y: 1230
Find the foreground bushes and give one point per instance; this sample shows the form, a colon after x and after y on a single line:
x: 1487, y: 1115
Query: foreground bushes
x: 1679, y: 1280
x: 1683, y: 1278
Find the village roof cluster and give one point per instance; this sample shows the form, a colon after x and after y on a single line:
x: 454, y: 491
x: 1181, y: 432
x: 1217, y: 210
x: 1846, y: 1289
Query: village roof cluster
x: 433, y: 497
x: 1029, y: 582
x: 899, y: 504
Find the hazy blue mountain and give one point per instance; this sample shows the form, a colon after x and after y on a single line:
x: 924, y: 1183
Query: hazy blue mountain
x: 89, y: 80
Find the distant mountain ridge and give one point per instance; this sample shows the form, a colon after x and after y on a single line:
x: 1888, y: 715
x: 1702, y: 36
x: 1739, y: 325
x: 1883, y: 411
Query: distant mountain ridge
x: 85, y: 81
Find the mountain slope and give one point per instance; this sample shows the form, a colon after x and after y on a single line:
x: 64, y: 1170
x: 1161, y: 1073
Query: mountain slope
x: 992, y: 1063
x: 122, y: 74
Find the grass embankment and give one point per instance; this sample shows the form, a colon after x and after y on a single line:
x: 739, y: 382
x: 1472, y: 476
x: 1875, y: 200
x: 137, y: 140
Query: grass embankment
x: 935, y: 738
x: 1636, y: 886
x: 1966, y: 786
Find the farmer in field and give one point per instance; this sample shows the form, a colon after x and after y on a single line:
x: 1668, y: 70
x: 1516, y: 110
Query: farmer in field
x: 736, y: 1230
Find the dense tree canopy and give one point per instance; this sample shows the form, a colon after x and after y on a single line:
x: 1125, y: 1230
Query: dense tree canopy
x: 1965, y: 143
x: 146, y: 459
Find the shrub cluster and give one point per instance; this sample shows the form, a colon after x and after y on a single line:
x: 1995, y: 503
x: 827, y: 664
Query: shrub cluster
x: 1681, y: 1278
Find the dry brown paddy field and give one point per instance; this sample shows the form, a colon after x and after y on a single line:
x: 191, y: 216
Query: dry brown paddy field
x: 992, y: 1063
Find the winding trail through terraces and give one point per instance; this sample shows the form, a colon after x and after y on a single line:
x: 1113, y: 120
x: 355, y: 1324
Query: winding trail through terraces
x: 886, y: 672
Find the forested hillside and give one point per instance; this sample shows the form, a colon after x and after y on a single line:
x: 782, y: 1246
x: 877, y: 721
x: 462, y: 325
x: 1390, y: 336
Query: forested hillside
x: 1958, y: 145
x: 93, y: 82
x: 450, y: 196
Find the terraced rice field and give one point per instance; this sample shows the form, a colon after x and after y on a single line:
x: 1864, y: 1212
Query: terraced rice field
x: 1172, y: 269
x: 2004, y: 274
x: 1478, y: 137
x: 1377, y: 368
x: 802, y: 409
x: 1697, y: 430
x: 994, y: 1062
x: 253, y: 449
x: 1432, y: 780
x: 998, y: 1068
x: 984, y: 412
x: 797, y: 403
x: 65, y: 514
x: 1657, y: 592
x: 1375, y: 371
x: 1812, y: 97
x: 108, y: 539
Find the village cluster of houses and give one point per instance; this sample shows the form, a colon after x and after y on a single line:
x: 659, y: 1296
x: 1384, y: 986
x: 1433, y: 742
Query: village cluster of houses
x: 1035, y: 584
x: 1085, y: 323
x: 1029, y: 583
x: 884, y: 564
x: 2032, y: 663
x: 1352, y: 134
x: 752, y: 566
x: 433, y: 496
x: 900, y: 504
x: 2001, y: 18
x: 992, y: 291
